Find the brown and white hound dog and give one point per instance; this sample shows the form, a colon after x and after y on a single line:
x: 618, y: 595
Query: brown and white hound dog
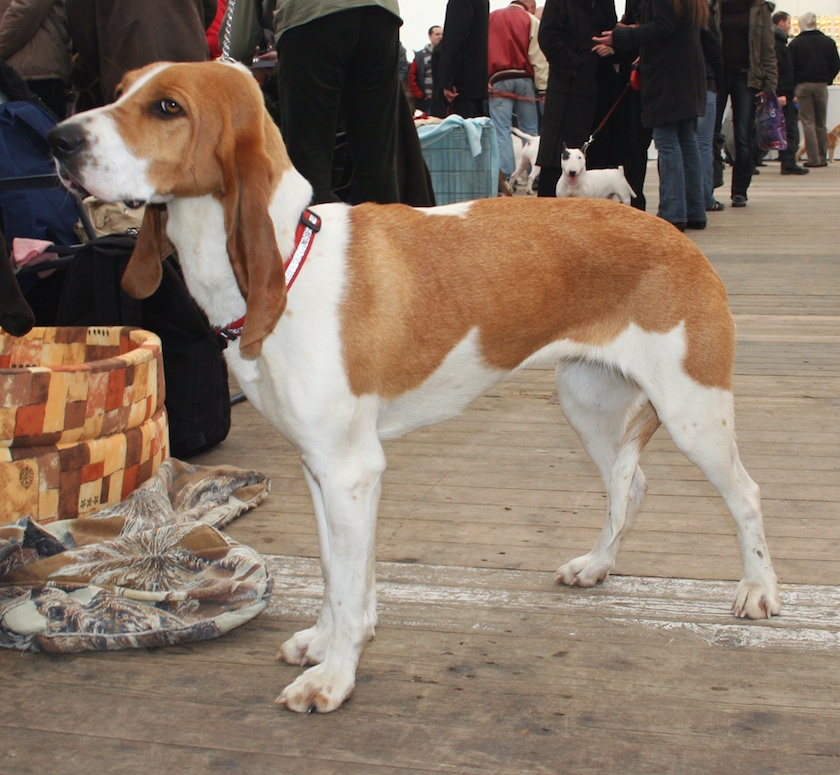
x: 400, y: 317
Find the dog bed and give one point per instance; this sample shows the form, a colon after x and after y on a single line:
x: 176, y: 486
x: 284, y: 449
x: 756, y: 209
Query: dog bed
x: 82, y: 419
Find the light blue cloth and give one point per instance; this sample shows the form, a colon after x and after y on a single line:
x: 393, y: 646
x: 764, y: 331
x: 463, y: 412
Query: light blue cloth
x: 463, y: 158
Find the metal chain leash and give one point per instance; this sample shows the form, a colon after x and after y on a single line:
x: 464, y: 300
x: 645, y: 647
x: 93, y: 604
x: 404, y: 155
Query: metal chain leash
x: 226, y: 57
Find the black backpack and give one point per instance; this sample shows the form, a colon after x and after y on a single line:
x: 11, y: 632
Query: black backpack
x: 197, y: 392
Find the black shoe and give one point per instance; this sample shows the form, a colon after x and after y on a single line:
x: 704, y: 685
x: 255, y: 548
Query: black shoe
x: 796, y: 170
x: 821, y: 164
x: 738, y: 200
x: 716, y: 207
x: 695, y: 224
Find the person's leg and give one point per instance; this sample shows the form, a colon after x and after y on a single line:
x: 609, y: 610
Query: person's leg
x: 695, y: 200
x: 805, y: 97
x: 369, y: 105
x: 547, y: 185
x: 501, y: 114
x: 787, y: 157
x: 743, y: 112
x: 310, y: 79
x: 672, y: 203
x: 820, y: 115
x: 705, y: 142
x: 527, y: 117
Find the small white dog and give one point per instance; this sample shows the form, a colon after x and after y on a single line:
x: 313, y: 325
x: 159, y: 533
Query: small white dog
x: 576, y: 180
x: 527, y: 157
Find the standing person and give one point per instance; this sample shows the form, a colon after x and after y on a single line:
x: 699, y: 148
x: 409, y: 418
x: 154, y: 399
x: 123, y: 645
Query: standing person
x: 34, y: 41
x: 713, y: 59
x: 749, y: 69
x: 815, y: 65
x: 517, y: 71
x: 342, y: 63
x: 578, y: 78
x: 785, y: 92
x: 637, y: 137
x: 673, y: 76
x: 420, y: 74
x: 460, y: 60
x: 112, y: 37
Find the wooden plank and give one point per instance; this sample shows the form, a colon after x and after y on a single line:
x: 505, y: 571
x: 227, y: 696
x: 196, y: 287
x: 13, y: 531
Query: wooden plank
x: 482, y: 663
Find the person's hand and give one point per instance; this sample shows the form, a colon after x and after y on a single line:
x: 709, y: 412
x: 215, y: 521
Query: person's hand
x: 603, y: 51
x: 450, y: 94
x: 606, y: 39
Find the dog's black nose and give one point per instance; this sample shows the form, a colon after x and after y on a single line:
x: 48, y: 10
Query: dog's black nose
x: 66, y: 141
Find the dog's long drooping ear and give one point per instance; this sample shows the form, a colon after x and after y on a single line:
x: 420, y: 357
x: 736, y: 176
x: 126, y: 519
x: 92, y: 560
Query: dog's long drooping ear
x: 142, y: 275
x: 248, y: 184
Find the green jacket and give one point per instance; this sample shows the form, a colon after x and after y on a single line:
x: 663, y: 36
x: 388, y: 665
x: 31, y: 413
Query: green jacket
x: 763, y: 73
x: 250, y: 16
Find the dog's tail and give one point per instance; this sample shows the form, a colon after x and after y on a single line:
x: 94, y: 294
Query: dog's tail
x: 632, y: 192
x: 520, y: 134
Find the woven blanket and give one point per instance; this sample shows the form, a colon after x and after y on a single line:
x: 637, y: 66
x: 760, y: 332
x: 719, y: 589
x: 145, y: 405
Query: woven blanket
x: 155, y: 570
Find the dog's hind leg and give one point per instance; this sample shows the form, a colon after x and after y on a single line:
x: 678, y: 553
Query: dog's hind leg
x: 614, y: 421
x: 701, y: 421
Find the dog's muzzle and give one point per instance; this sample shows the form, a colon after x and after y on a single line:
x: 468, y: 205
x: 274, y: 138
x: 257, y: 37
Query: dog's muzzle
x: 68, y: 144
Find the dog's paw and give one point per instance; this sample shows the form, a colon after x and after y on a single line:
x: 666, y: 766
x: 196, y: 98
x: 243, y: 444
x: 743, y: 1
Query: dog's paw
x: 307, y: 647
x: 755, y: 601
x: 584, y: 571
x: 318, y: 690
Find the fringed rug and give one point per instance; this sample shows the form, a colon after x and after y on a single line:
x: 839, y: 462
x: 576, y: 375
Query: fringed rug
x: 152, y: 571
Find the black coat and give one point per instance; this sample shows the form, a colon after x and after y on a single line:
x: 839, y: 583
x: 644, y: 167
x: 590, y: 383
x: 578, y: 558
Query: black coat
x: 672, y: 68
x: 580, y: 82
x: 785, y: 62
x: 463, y: 49
x: 815, y: 58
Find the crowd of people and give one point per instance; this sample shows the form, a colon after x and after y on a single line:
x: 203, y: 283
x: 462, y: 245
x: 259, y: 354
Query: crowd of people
x: 560, y: 71
x: 562, y: 74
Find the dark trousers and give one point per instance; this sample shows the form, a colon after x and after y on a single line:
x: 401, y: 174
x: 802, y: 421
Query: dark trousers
x: 743, y: 122
x: 788, y: 156
x: 342, y: 66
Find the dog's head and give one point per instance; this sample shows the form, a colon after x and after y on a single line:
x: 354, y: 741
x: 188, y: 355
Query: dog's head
x: 573, y: 164
x: 187, y: 130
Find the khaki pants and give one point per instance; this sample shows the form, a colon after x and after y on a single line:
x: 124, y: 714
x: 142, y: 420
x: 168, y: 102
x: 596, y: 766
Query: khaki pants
x: 813, y: 108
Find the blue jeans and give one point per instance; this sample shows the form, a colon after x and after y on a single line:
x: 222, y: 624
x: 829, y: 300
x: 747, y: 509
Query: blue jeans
x: 680, y: 173
x: 743, y: 117
x: 501, y: 113
x: 705, y: 144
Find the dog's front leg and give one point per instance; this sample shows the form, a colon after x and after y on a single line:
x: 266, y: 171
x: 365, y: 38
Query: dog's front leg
x: 346, y: 496
x: 309, y: 646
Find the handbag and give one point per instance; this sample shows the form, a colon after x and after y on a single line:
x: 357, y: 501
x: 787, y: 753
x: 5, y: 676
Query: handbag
x: 770, y: 129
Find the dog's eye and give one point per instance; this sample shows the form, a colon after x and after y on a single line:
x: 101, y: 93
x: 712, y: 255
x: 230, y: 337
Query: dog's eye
x: 170, y: 107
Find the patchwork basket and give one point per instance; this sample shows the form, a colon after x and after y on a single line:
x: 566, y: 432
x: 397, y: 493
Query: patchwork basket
x: 82, y: 419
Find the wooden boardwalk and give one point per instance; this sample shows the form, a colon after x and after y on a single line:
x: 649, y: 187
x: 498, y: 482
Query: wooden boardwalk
x: 481, y: 663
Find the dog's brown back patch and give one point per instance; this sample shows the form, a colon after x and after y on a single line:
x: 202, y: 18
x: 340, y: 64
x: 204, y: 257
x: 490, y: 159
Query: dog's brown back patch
x: 525, y: 273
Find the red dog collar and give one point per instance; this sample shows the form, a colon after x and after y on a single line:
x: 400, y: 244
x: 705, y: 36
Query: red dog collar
x: 307, y: 228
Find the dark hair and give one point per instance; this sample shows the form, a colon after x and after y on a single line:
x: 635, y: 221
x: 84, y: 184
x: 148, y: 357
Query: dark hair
x: 695, y: 11
x: 433, y: 27
x: 780, y: 16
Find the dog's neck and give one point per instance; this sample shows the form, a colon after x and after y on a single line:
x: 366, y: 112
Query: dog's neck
x: 196, y: 228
